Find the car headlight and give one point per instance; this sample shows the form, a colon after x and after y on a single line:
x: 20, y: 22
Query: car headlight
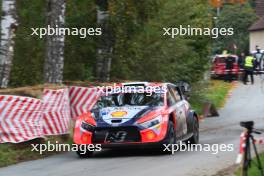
x: 152, y: 122
x: 87, y: 126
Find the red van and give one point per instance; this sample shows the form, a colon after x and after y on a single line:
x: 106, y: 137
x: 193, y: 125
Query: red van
x: 219, y: 68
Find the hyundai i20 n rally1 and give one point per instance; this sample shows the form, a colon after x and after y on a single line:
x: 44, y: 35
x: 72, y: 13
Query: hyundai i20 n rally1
x: 145, y: 119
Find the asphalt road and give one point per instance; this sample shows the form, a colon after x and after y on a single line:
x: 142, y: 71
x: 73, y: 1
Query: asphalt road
x: 246, y: 103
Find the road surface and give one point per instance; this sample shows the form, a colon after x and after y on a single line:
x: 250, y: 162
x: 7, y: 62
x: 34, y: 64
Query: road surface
x: 246, y: 103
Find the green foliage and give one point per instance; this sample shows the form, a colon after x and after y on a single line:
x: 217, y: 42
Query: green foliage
x: 253, y: 170
x: 80, y: 52
x: 215, y: 92
x: 15, y: 153
x: 240, y: 18
x: 28, y: 59
x: 151, y: 56
x: 141, y: 52
x: 252, y: 3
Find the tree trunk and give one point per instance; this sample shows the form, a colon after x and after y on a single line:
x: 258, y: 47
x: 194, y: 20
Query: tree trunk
x: 54, y: 57
x: 105, y: 42
x: 8, y: 28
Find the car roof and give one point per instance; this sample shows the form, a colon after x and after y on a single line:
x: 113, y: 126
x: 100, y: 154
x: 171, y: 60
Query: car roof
x: 147, y: 83
x: 225, y: 55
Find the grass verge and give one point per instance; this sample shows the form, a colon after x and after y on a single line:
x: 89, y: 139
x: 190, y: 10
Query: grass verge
x: 15, y: 153
x: 216, y: 92
x: 253, y: 171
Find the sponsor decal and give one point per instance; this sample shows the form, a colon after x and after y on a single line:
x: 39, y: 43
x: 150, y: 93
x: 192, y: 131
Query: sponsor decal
x: 104, y: 112
x: 119, y: 114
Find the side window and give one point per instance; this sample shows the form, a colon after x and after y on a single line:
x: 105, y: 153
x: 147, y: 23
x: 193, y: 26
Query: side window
x: 178, y: 94
x: 170, y: 97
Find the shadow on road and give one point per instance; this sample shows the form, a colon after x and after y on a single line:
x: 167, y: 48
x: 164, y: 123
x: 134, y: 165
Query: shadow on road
x: 117, y: 153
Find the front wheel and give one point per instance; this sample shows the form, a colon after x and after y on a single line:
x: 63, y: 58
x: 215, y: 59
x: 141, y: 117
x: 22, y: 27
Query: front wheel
x: 195, y: 137
x: 170, y: 138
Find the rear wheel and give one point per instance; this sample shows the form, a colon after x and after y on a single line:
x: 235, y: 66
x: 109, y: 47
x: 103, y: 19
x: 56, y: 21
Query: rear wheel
x: 83, y: 152
x: 195, y: 137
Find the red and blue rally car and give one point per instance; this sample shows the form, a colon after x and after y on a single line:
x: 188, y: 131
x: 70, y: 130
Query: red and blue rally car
x: 148, y: 119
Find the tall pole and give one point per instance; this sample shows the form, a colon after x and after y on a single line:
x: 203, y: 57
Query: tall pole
x: 104, y: 43
x: 8, y: 27
x: 218, y: 11
x: 54, y: 56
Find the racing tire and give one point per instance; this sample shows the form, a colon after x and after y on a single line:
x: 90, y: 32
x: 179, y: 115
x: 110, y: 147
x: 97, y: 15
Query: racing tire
x: 195, y: 137
x: 82, y: 154
x: 170, y: 138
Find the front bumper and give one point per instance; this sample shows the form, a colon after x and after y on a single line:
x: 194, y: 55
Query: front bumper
x: 125, y: 136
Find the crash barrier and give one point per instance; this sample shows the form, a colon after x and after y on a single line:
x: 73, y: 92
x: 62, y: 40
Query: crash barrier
x: 82, y: 99
x: 20, y: 118
x: 242, y: 145
x: 25, y: 118
x: 56, y: 112
x: 235, y: 71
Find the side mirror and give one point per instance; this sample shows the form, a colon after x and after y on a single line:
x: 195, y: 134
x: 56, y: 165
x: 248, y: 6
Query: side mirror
x: 187, y: 97
x: 185, y: 87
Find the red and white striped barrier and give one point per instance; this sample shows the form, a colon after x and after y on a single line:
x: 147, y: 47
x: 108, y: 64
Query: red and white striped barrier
x: 25, y: 118
x: 56, y: 112
x: 20, y: 118
x: 242, y: 146
x: 82, y: 99
x: 235, y: 71
x: 259, y: 141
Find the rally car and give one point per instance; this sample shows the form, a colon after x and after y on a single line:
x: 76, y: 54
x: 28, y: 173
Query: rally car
x: 139, y: 119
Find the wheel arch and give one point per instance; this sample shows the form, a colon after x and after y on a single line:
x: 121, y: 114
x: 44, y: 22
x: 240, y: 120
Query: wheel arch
x: 172, y: 118
x: 192, y: 116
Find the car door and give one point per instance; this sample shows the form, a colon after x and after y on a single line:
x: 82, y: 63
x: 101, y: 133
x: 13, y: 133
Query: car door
x: 171, y: 103
x: 180, y: 111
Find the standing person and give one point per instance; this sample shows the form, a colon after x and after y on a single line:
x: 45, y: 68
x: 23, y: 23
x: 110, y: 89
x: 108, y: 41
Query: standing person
x: 241, y: 60
x: 259, y: 58
x: 241, y: 63
x: 229, y: 67
x: 249, y: 69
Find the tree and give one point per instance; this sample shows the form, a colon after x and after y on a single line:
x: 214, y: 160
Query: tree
x: 132, y: 42
x: 83, y: 66
x: 240, y: 18
x: 54, y: 59
x: 143, y: 53
x: 105, y: 42
x: 8, y: 28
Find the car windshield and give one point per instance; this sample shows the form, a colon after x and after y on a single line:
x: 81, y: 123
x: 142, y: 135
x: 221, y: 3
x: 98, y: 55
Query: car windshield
x: 129, y: 99
x: 223, y: 59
